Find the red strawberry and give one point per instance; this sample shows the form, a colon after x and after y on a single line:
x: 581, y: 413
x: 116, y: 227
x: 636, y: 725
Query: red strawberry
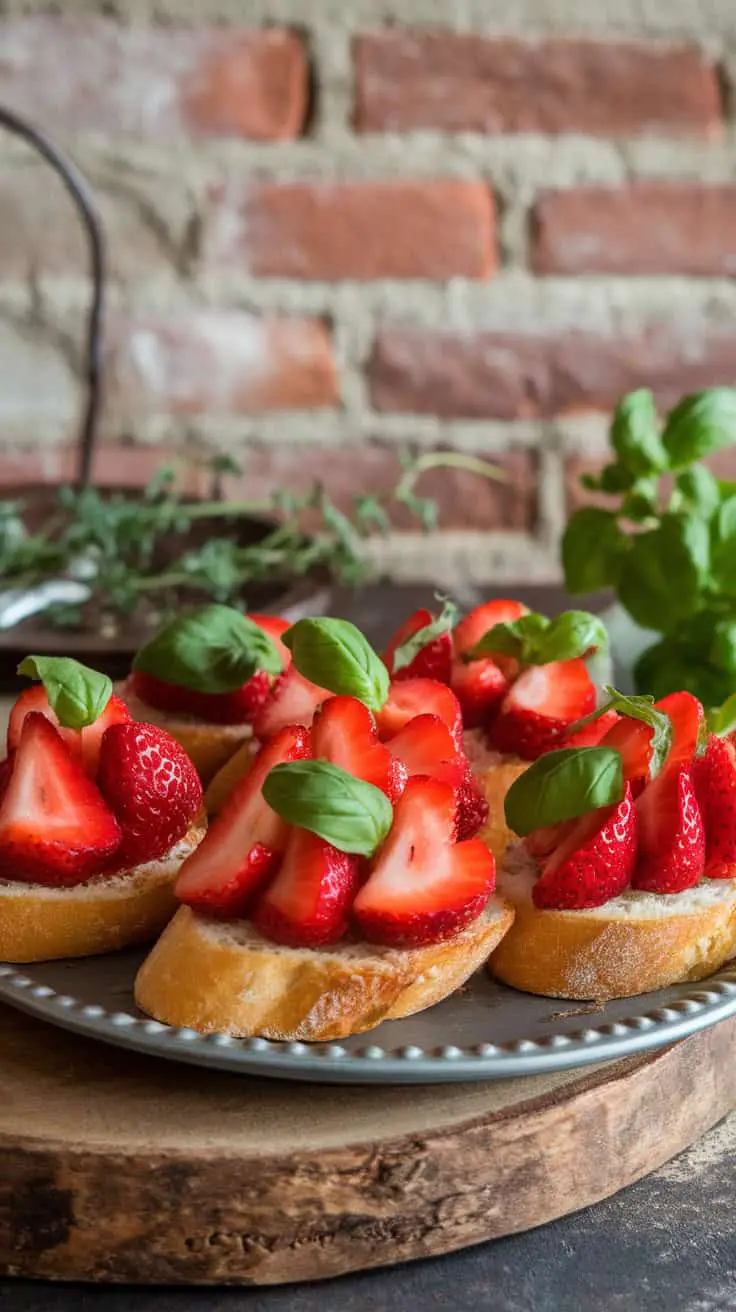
x: 85, y: 743
x: 480, y: 687
x: 424, y: 887
x: 344, y: 732
x: 688, y: 721
x: 468, y: 633
x: 275, y: 628
x: 591, y: 734
x: 55, y: 828
x: 238, y: 707
x: 152, y: 787
x: 540, y: 706
x: 415, y: 697
x: 434, y: 661
x: 632, y: 739
x: 671, y: 834
x: 242, y: 846
x: 593, y: 863
x: 6, y: 771
x: 308, y: 903
x: 293, y: 700
x: 426, y: 747
x: 714, y: 776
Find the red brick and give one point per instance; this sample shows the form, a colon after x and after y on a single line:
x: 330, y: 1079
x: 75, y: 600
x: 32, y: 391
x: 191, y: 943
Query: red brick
x: 723, y: 465
x: 115, y: 465
x: 648, y: 227
x: 78, y: 75
x: 456, y: 83
x: 355, y: 230
x: 219, y: 363
x: 502, y: 376
x: 464, y: 500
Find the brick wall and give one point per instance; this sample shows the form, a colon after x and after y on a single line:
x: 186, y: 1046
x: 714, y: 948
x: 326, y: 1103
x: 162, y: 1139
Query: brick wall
x: 428, y: 224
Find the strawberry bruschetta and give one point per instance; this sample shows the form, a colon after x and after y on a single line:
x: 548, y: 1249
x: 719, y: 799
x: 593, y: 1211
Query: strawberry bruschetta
x: 625, y: 880
x: 205, y: 678
x: 97, y: 814
x: 342, y: 882
x: 521, y: 681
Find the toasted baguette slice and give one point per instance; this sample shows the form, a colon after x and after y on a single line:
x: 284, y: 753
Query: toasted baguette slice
x: 633, y: 944
x: 226, y: 978
x: 208, y: 746
x: 495, y: 773
x: 105, y: 913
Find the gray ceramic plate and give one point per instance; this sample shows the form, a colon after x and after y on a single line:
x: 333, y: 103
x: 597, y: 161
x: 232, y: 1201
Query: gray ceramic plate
x: 484, y: 1032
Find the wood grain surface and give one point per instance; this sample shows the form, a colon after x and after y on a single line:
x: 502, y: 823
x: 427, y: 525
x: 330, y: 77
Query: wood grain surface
x: 122, y: 1168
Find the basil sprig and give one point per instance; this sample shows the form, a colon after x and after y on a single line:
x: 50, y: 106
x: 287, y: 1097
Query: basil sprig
x: 536, y: 640
x: 335, y: 655
x: 215, y: 649
x: 563, y: 785
x: 76, y: 694
x: 637, y: 708
x: 722, y: 719
x: 353, y: 815
x: 405, y: 653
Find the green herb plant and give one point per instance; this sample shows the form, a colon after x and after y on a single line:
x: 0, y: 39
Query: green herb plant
x: 667, y: 544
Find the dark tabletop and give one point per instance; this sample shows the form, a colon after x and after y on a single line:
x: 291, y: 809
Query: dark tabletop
x: 666, y: 1244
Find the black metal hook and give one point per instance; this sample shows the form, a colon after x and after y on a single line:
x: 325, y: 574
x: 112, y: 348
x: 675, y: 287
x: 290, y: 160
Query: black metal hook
x: 81, y: 194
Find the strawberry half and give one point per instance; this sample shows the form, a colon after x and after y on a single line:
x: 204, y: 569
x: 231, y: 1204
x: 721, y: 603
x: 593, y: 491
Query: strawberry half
x: 632, y: 739
x: 151, y: 786
x: 292, y: 700
x: 426, y: 747
x: 424, y: 887
x: 688, y: 720
x: 591, y: 734
x: 469, y: 631
x: 308, y: 903
x: 242, y: 846
x: 238, y: 707
x: 480, y: 687
x: 593, y: 863
x: 55, y: 828
x: 84, y: 743
x: 344, y: 732
x: 671, y: 834
x: 275, y: 628
x: 541, y: 705
x: 714, y: 776
x: 415, y: 697
x: 434, y: 661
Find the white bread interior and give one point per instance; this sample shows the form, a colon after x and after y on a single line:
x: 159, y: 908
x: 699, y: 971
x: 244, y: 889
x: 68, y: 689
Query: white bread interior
x: 634, y: 943
x: 208, y: 746
x: 225, y: 977
x: 495, y: 773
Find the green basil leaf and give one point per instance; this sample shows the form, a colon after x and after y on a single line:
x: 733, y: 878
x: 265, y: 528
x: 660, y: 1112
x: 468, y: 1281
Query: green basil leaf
x: 616, y: 478
x: 637, y: 708
x: 76, y: 694
x: 572, y: 634
x: 723, y: 648
x: 404, y: 655
x: 562, y: 785
x: 336, y: 655
x: 593, y: 548
x: 723, y: 547
x: 214, y: 649
x: 699, y: 490
x: 665, y: 667
x: 722, y: 719
x: 641, y: 502
x: 517, y: 638
x: 635, y: 434
x: 699, y: 425
x: 665, y: 571
x: 349, y: 813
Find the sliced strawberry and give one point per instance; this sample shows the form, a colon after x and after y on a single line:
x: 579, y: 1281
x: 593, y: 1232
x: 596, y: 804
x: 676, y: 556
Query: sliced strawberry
x: 540, y: 706
x: 688, y: 720
x: 292, y: 700
x: 344, y: 732
x: 416, y: 697
x: 424, y: 887
x: 426, y: 747
x: 593, y: 863
x: 632, y: 739
x: 275, y: 628
x: 434, y: 661
x: 308, y: 903
x: 671, y: 834
x: 55, y: 828
x: 469, y: 631
x: 480, y: 687
x: 714, y: 776
x: 85, y: 743
x: 238, y: 707
x: 6, y: 771
x: 542, y: 842
x: 151, y: 786
x: 242, y: 846
x: 591, y: 734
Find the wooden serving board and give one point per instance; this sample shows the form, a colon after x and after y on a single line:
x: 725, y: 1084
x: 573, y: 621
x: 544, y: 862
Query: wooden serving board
x: 127, y: 1169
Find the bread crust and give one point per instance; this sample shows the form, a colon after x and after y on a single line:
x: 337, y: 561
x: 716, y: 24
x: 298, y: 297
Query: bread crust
x: 202, y: 976
x: 208, y: 746
x: 101, y: 915
x: 614, y: 951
